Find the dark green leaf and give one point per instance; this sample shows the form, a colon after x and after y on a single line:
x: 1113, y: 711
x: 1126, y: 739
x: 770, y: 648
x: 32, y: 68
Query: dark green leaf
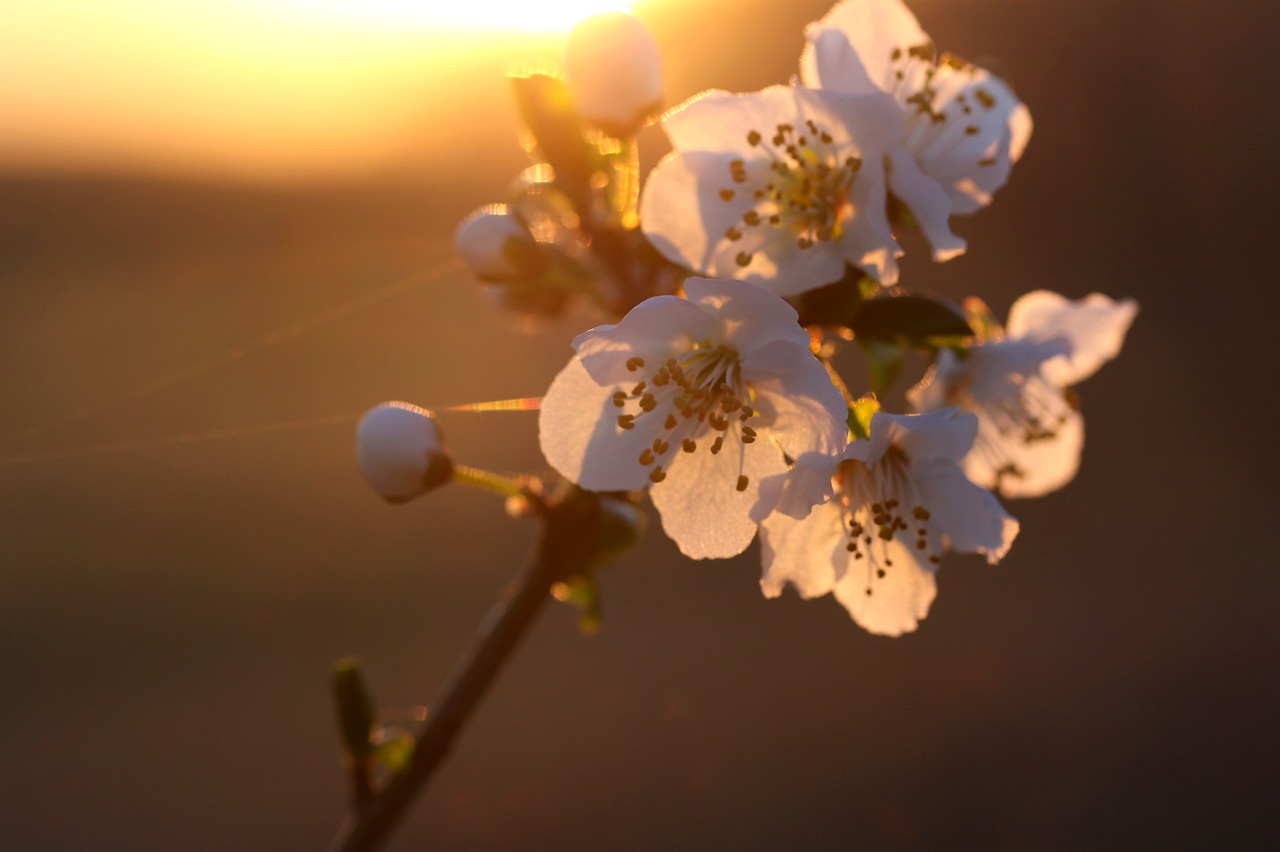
x: 910, y: 319
x: 355, y: 707
x: 835, y: 304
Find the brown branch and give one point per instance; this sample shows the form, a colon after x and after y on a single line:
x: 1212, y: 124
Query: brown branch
x: 568, y: 522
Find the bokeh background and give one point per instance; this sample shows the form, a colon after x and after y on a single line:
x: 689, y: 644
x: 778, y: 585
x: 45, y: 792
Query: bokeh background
x: 216, y: 217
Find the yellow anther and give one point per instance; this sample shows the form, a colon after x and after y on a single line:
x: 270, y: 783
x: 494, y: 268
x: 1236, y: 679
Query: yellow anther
x: 657, y: 474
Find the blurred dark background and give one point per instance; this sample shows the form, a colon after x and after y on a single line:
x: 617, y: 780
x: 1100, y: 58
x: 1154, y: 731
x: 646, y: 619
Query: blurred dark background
x: 169, y: 614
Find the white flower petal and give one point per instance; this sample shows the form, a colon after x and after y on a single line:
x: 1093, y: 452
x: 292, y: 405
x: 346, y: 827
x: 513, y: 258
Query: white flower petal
x: 898, y: 600
x: 830, y: 62
x: 801, y: 552
x: 1008, y: 463
x: 985, y: 128
x: 750, y: 317
x: 579, y: 434
x: 1093, y: 329
x: 944, y: 434
x: 652, y: 331
x: 873, y: 29
x: 795, y: 493
x: 718, y: 121
x: 702, y: 508
x: 969, y: 516
x: 928, y: 201
x: 796, y: 402
x: 685, y: 215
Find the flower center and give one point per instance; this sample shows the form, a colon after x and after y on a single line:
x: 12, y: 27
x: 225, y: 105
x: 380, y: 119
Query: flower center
x: 702, y: 400
x: 878, y: 504
x: 805, y: 190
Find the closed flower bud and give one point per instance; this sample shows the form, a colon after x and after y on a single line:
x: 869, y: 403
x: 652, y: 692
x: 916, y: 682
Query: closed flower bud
x: 399, y: 451
x: 614, y: 72
x: 493, y: 242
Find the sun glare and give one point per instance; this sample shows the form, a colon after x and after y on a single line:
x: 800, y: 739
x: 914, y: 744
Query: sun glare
x: 523, y: 15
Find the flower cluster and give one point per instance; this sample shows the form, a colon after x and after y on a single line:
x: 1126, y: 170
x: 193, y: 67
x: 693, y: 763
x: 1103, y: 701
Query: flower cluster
x: 766, y: 239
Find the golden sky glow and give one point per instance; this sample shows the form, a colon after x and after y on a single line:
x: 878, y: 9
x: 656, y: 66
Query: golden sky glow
x: 545, y: 15
x: 271, y: 87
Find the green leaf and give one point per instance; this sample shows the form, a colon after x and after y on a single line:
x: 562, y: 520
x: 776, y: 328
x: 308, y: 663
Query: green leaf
x: 860, y: 417
x: 354, y: 705
x: 835, y: 304
x: 908, y: 319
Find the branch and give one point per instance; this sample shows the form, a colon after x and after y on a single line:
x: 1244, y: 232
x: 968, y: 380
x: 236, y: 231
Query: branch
x: 569, y: 521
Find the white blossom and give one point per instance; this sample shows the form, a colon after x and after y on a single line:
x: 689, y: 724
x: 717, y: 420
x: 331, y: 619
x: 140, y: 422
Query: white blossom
x: 399, y: 451
x: 782, y: 187
x: 698, y: 398
x: 964, y: 128
x: 614, y: 71
x: 490, y: 241
x: 1030, y: 430
x: 894, y: 504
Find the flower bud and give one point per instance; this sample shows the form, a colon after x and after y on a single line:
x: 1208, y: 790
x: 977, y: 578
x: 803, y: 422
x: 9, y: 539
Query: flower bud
x: 614, y: 72
x: 492, y: 242
x: 399, y: 451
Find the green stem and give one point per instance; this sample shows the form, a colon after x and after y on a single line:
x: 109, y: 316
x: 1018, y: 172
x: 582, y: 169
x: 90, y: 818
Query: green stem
x: 488, y: 481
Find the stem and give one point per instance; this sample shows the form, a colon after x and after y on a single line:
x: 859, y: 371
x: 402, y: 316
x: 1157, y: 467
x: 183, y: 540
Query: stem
x: 499, y: 634
x: 488, y: 481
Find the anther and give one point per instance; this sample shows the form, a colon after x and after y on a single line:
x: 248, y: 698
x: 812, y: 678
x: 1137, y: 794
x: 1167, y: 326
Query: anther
x: 753, y: 138
x: 660, y: 446
x: 726, y: 194
x: 743, y: 259
x: 742, y: 483
x: 627, y: 421
x: 647, y: 457
x: 717, y: 444
x: 657, y: 475
x: 634, y: 364
x: 688, y: 445
x: 672, y: 421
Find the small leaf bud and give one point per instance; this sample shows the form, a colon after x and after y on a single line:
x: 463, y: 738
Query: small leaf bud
x: 615, y: 72
x: 491, y: 240
x: 354, y: 707
x: 399, y: 451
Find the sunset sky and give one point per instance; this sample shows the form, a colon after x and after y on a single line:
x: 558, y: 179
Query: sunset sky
x: 274, y: 87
